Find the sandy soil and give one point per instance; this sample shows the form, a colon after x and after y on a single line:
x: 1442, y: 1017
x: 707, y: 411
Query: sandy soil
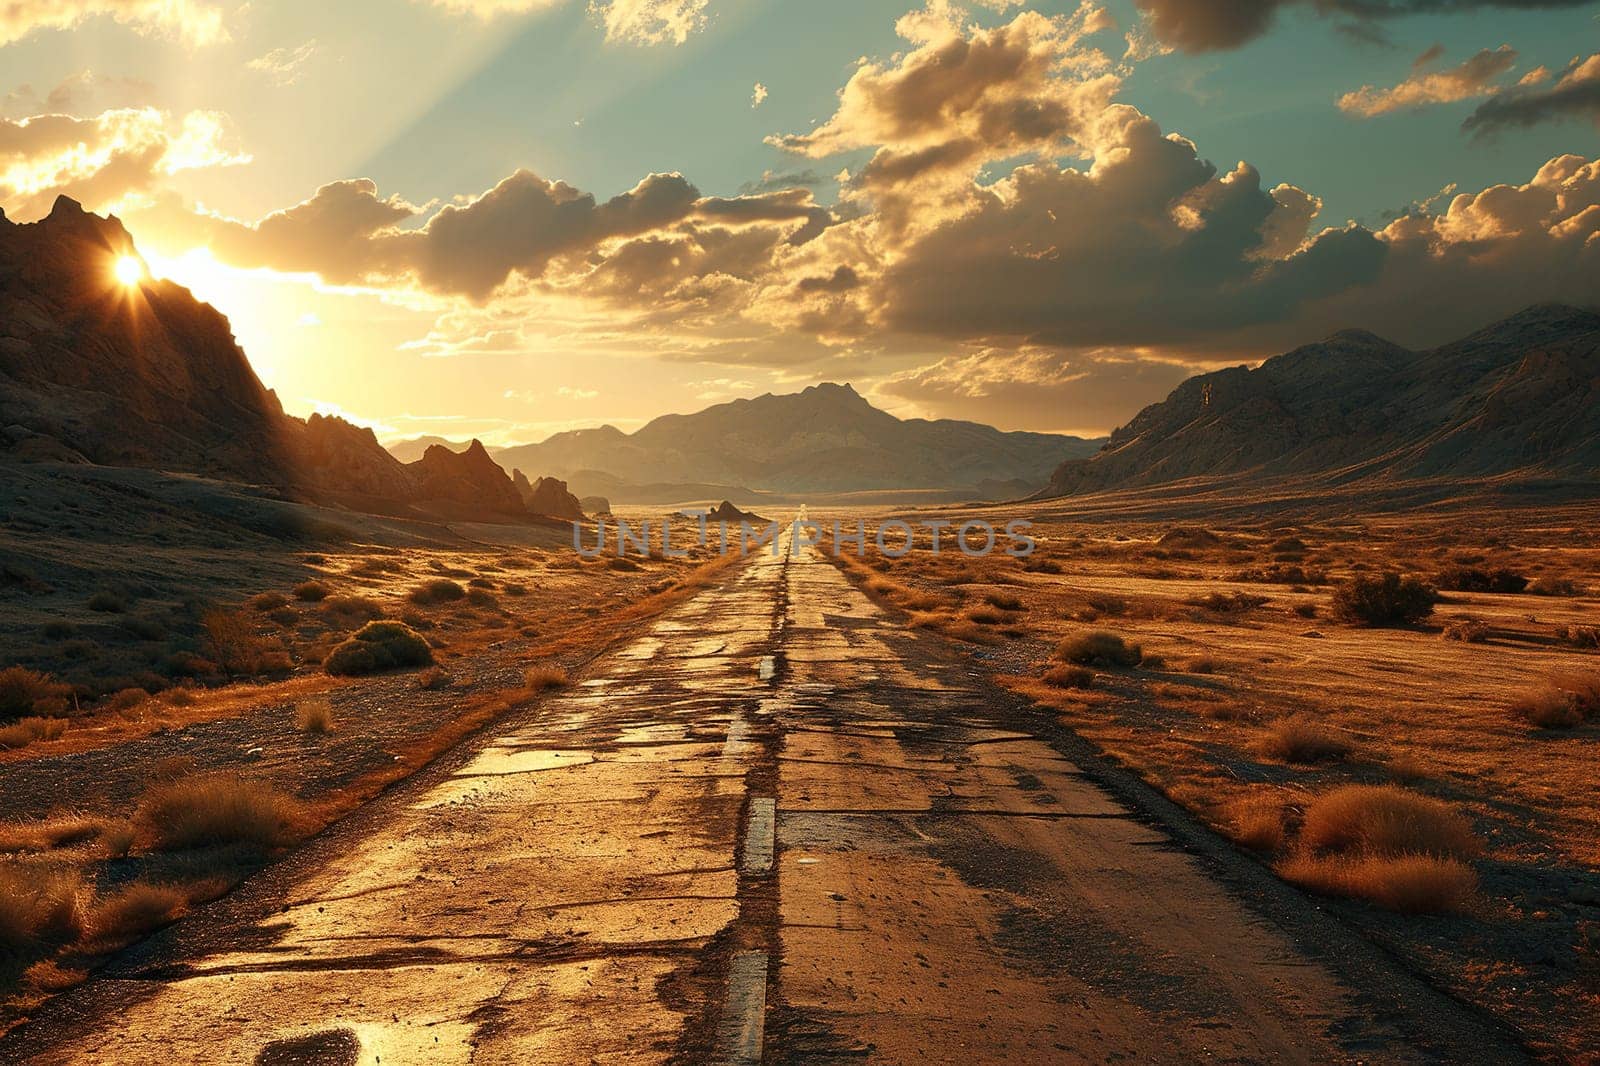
x: 1415, y: 708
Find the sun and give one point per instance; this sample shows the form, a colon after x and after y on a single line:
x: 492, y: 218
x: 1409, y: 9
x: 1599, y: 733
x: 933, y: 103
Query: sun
x: 129, y: 271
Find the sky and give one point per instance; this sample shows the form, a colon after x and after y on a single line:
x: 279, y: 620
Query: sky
x: 506, y: 218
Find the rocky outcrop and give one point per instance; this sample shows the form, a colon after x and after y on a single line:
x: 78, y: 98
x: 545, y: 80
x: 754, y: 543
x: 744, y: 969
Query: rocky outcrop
x: 727, y: 512
x: 469, y: 478
x: 337, y: 457
x: 130, y: 375
x: 549, y: 497
x: 93, y: 369
x: 1519, y: 399
x: 595, y: 505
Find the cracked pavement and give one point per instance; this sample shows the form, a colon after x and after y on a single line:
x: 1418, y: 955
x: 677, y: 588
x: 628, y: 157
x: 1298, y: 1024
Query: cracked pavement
x: 775, y: 827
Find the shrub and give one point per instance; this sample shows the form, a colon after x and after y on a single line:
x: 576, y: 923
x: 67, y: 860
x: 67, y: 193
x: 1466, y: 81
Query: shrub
x: 512, y: 588
x: 134, y: 911
x: 1387, y: 820
x: 126, y: 699
x: 22, y: 690
x: 1304, y: 740
x: 539, y: 678
x: 348, y: 609
x: 378, y: 646
x: 108, y: 602
x: 57, y: 630
x: 481, y: 583
x: 1229, y: 602
x: 439, y: 590
x: 1472, y: 579
x: 230, y: 640
x: 1410, y: 884
x: 1005, y: 601
x: 314, y: 716
x: 311, y: 591
x: 1106, y: 603
x: 1069, y: 677
x: 1099, y: 648
x: 1580, y: 636
x: 1256, y: 822
x: 28, y: 730
x: 433, y: 679
x: 1203, y: 665
x: 1547, y: 709
x: 1553, y: 585
x: 1569, y: 700
x: 481, y: 598
x: 206, y: 810
x: 39, y: 907
x: 1384, y: 600
x: 1466, y: 630
x: 269, y: 601
x: 188, y: 664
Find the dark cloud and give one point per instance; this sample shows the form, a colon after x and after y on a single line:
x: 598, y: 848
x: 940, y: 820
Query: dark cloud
x: 348, y: 234
x: 774, y: 180
x: 1213, y: 25
x: 1575, y: 96
x: 1151, y: 245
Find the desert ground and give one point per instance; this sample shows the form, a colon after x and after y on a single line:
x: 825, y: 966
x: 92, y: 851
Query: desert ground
x: 1208, y: 659
x: 1088, y: 804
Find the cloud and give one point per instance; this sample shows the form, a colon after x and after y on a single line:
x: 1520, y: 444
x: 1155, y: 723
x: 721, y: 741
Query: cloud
x: 782, y: 179
x: 348, y: 234
x: 284, y: 66
x: 1150, y: 244
x: 1576, y: 95
x: 758, y: 95
x: 196, y: 22
x: 1065, y: 391
x: 100, y: 160
x: 646, y: 22
x: 1474, y: 77
x: 1215, y: 25
x: 650, y: 21
x: 80, y: 93
x: 964, y: 94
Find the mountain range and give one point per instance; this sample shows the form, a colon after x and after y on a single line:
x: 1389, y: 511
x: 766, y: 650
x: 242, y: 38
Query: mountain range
x: 144, y: 375
x: 1518, y: 399
x: 824, y: 439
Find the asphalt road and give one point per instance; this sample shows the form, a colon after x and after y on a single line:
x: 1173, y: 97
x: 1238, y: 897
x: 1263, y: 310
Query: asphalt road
x: 776, y: 827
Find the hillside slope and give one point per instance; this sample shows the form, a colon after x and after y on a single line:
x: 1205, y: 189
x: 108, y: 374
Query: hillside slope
x: 1520, y: 398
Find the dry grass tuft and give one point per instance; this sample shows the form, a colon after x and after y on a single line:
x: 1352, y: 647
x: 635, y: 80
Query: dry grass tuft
x: 311, y: 591
x: 39, y: 906
x: 24, y: 692
x: 30, y: 730
x: 1069, y: 677
x: 56, y: 831
x: 1409, y: 884
x: 1383, y: 843
x: 1099, y: 648
x: 123, y: 917
x: 540, y: 678
x: 1466, y: 630
x: 433, y: 679
x: 1570, y: 700
x: 1387, y: 820
x: 1303, y: 740
x: 1256, y: 822
x: 439, y: 590
x: 200, y: 811
x: 314, y: 716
